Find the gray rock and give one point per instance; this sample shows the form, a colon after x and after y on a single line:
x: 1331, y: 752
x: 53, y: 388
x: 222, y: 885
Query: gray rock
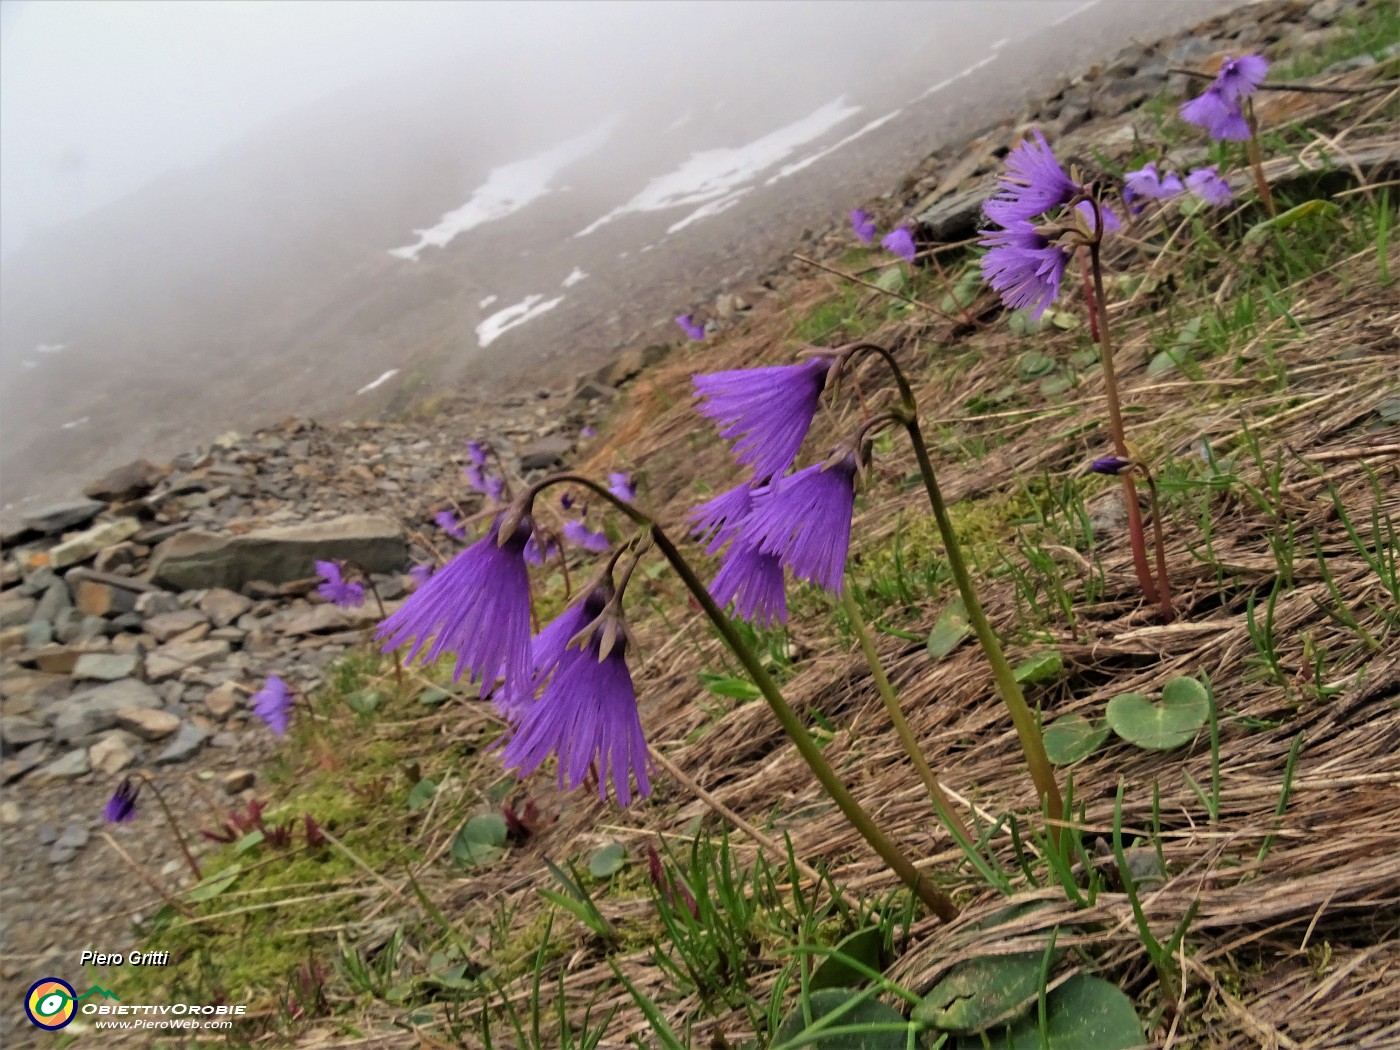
x: 37, y: 634
x: 238, y: 780
x: 324, y: 619
x: 85, y: 545
x: 26, y: 690
x: 47, y: 834
x: 105, y: 667
x: 60, y: 516
x: 54, y: 601
x: 74, y: 836
x: 71, y: 766
x: 167, y: 625
x: 223, y: 700
x: 196, y: 560
x: 125, y: 482
x: 113, y: 753
x: 16, y: 609
x: 89, y: 712
x: 187, y: 742
x: 545, y: 453
x: 22, y: 762
x: 156, y: 603
x: 17, y: 731
x: 955, y: 218
x: 223, y: 607
x: 170, y: 660
x: 147, y: 723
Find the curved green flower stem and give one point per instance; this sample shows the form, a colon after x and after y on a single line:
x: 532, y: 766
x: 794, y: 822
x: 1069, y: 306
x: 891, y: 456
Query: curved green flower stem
x: 1256, y: 161
x: 938, y: 902
x: 174, y: 828
x: 1136, y: 538
x: 1027, y: 729
x: 941, y: 802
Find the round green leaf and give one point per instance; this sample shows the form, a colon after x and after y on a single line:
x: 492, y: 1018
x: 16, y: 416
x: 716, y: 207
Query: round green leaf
x: 481, y: 840
x: 607, y: 860
x: 981, y: 992
x: 1072, y: 737
x: 864, y: 946
x: 792, y: 1033
x: 1083, y: 1012
x: 1033, y: 364
x: 1043, y: 667
x: 421, y: 794
x: 363, y: 701
x: 1051, y: 386
x: 952, y: 627
x: 1169, y: 723
x: 434, y: 696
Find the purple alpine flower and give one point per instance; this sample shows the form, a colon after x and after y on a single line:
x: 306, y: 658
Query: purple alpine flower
x: 1111, y: 222
x: 588, y: 432
x: 766, y: 411
x: 806, y: 522
x: 1220, y: 116
x: 695, y: 331
x: 336, y: 590
x: 567, y: 501
x: 1207, y: 184
x: 753, y: 581
x: 420, y: 574
x: 548, y: 646
x: 537, y: 555
x: 716, y: 521
x: 1033, y: 183
x: 863, y: 226
x: 476, y: 477
x: 577, y: 532
x: 495, y: 489
x: 900, y: 242
x: 273, y: 704
x: 1111, y: 465
x: 1146, y: 182
x: 586, y: 715
x: 620, y: 485
x: 1024, y: 267
x: 476, y: 452
x: 121, y: 807
x: 476, y: 606
x: 1240, y: 77
x: 448, y: 523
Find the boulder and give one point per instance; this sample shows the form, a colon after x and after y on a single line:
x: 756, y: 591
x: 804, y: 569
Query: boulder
x: 60, y: 516
x: 69, y: 767
x: 196, y: 560
x: 956, y: 217
x: 113, y: 753
x: 187, y: 741
x: 125, y: 482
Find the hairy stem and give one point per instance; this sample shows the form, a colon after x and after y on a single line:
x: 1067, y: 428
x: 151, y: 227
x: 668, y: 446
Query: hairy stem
x: 941, y: 803
x: 1256, y: 161
x: 1159, y: 543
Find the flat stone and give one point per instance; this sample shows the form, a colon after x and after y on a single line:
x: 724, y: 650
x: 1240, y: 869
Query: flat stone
x: 147, y: 723
x: 168, y: 625
x: 327, y: 619
x: 15, y: 637
x: 170, y: 660
x: 37, y: 634
x: 223, y: 606
x: 85, y: 545
x: 102, y: 599
x: 26, y: 690
x: 126, y: 482
x: 57, y: 659
x: 238, y: 780
x: 223, y: 700
x: 113, y: 753
x: 74, y: 836
x: 541, y: 454
x: 157, y: 603
x: 71, y: 766
x: 105, y: 667
x: 21, y: 762
x: 89, y: 712
x: 956, y: 217
x: 16, y: 609
x: 196, y: 560
x: 54, y: 600
x: 17, y: 731
x: 67, y: 515
x: 187, y: 742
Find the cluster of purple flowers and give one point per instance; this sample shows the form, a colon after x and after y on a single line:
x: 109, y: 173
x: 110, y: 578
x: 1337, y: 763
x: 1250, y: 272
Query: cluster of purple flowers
x: 898, y: 241
x: 1147, y: 183
x: 1218, y: 108
x: 481, y: 477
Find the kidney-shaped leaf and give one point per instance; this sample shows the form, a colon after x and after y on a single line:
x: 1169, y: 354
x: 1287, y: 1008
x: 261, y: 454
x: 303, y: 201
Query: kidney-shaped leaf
x: 981, y: 992
x: 1083, y: 1012
x: 1072, y: 737
x: 892, y: 1032
x: 864, y: 946
x: 952, y: 627
x: 1170, y: 722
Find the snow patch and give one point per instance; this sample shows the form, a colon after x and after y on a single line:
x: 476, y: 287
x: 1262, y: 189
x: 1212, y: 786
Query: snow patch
x: 503, y: 321
x: 378, y: 382
x: 574, y: 277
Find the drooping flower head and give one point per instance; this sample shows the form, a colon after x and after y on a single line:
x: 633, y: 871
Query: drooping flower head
x: 1111, y: 465
x: 495, y: 488
x: 448, y: 523
x: 536, y: 554
x: 900, y: 242
x: 863, y: 226
x: 273, y: 704
x: 1033, y: 183
x: 420, y: 574
x: 1207, y: 184
x: 766, y: 411
x: 476, y: 453
x: 716, y: 521
x: 476, y: 606
x: 1146, y: 182
x: 753, y: 581
x: 805, y: 521
x: 336, y: 590
x: 586, y: 714
x: 577, y: 532
x: 121, y: 807
x: 1023, y: 266
x: 1240, y: 77
x: 1220, y: 116
x: 690, y: 328
x: 620, y: 485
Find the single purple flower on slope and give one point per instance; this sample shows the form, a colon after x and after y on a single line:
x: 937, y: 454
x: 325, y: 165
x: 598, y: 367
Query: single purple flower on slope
x: 587, y: 716
x: 1146, y: 182
x: 476, y: 452
x: 753, y: 581
x: 579, y: 534
x: 273, y: 704
x: 863, y: 226
x: 716, y: 521
x: 1023, y: 267
x: 1111, y: 465
x: 1207, y: 184
x: 766, y: 411
x: 420, y: 574
x: 620, y: 485
x: 1033, y: 183
x: 447, y: 522
x: 806, y: 522
x: 476, y: 606
x: 900, y: 242
x: 1240, y: 77
x: 695, y: 331
x: 336, y: 590
x: 1217, y: 114
x: 121, y: 807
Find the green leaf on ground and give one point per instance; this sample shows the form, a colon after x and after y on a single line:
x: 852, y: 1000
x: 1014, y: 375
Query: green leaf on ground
x: 1174, y: 720
x: 1052, y: 386
x: 421, y: 794
x: 892, y: 1034
x: 1072, y: 737
x: 1083, y: 1012
x: 481, y: 840
x: 952, y: 627
x: 213, y: 885
x: 981, y: 992
x: 363, y: 701
x: 864, y: 946
x: 433, y: 697
x: 607, y: 860
x: 1033, y: 364
x: 732, y: 688
x: 1043, y: 667
x: 1307, y: 212
x: 893, y: 280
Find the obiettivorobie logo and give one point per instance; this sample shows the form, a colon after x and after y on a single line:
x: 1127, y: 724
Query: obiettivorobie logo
x: 52, y: 1003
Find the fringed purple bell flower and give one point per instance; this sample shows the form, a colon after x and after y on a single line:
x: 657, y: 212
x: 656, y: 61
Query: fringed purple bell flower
x: 900, y: 242
x: 1146, y: 182
x: 1032, y: 184
x: 1024, y: 267
x: 690, y: 327
x: 1207, y: 184
x: 586, y: 713
x: 805, y: 521
x: 753, y: 581
x: 420, y: 574
x: 766, y: 411
x: 476, y: 606
x: 476, y: 453
x: 121, y: 807
x: 448, y: 523
x: 336, y: 590
x: 1111, y: 465
x: 621, y: 486
x: 273, y: 704
x: 863, y: 226
x: 1220, y: 116
x: 579, y: 534
x: 536, y: 554
x: 1240, y: 77
x: 716, y: 521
